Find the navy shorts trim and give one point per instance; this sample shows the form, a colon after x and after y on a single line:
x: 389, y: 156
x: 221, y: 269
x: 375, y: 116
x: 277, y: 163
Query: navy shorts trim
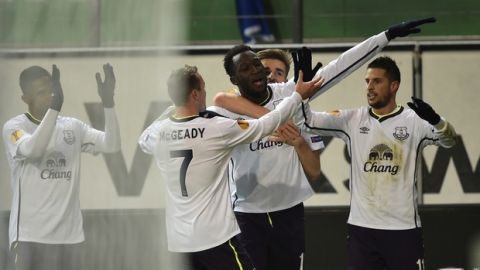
x: 227, y: 256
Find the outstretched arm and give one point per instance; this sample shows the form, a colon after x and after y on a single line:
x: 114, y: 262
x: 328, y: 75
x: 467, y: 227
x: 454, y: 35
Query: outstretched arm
x: 351, y: 60
x: 239, y: 105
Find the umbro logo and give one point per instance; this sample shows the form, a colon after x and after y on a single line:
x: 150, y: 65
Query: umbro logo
x: 364, y: 130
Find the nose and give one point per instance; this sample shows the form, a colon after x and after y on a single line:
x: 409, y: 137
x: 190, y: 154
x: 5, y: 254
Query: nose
x: 370, y: 85
x: 270, y: 77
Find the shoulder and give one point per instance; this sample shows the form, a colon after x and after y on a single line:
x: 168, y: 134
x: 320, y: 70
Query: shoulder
x: 210, y: 114
x: 222, y: 112
x: 15, y: 121
x: 284, y: 89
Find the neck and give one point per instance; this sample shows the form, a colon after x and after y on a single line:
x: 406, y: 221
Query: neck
x: 36, y: 113
x: 185, y: 111
x: 257, y: 99
x: 385, y: 110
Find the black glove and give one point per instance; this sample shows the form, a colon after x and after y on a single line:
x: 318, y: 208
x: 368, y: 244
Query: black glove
x: 424, y: 111
x: 302, y: 60
x: 406, y: 28
x: 57, y: 92
x: 107, y: 87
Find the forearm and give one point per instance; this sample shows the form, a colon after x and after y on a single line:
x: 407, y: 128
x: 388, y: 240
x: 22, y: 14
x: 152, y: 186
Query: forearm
x: 349, y: 61
x: 35, y: 145
x: 310, y: 161
x: 111, y: 141
x: 446, y: 134
x: 239, y: 105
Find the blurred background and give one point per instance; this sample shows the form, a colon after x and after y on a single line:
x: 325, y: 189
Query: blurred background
x: 122, y: 194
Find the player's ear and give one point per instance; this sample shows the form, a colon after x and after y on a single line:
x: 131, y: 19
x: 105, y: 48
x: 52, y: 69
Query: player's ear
x: 394, y: 85
x: 195, y: 94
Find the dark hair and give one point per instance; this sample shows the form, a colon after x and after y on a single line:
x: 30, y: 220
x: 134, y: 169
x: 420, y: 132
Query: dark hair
x: 388, y: 64
x: 228, y: 59
x: 28, y: 75
x: 181, y: 83
x: 278, y: 54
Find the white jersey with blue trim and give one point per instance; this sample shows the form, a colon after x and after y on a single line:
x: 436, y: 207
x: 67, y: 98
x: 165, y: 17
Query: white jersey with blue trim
x: 193, y: 155
x: 384, y: 155
x: 45, y: 205
x: 267, y: 176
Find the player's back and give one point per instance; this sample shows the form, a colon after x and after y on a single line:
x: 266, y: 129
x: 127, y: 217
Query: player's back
x: 193, y: 155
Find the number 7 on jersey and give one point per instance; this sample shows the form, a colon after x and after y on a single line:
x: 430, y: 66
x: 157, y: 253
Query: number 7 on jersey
x: 187, y: 155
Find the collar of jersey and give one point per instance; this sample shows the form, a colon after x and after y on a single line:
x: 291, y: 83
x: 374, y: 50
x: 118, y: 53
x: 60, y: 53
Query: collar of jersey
x: 269, y: 96
x: 182, y: 119
x: 382, y: 118
x: 33, y: 119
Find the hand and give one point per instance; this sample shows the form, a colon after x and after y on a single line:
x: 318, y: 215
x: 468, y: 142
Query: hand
x: 406, y: 28
x: 107, y: 87
x: 287, y: 133
x: 57, y: 92
x: 307, y: 89
x: 424, y: 111
x: 302, y: 60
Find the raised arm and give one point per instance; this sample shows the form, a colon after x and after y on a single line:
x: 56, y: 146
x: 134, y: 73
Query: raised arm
x: 446, y: 133
x: 34, y: 145
x: 110, y: 141
x: 355, y: 57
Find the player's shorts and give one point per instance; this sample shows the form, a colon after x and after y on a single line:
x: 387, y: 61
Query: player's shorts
x: 39, y: 256
x: 274, y: 240
x: 384, y: 249
x: 227, y: 256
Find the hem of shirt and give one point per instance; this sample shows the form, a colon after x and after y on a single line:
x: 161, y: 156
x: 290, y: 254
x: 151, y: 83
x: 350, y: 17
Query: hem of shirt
x: 384, y: 227
x: 273, y: 209
x: 206, y: 246
x: 48, y: 242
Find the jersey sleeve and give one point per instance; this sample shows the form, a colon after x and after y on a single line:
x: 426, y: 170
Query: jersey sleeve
x: 22, y: 145
x: 95, y: 141
x: 245, y: 131
x: 349, y: 61
x: 445, y: 137
x: 14, y: 134
x: 149, y: 137
x: 334, y: 123
x: 313, y: 140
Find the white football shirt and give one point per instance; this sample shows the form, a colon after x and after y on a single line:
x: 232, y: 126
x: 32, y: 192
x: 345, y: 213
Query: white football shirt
x: 45, y: 205
x: 384, y: 157
x: 268, y: 176
x: 193, y: 154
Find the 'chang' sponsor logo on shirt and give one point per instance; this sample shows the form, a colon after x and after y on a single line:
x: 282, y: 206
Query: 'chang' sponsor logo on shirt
x: 55, y: 165
x: 261, y: 145
x: 380, y: 160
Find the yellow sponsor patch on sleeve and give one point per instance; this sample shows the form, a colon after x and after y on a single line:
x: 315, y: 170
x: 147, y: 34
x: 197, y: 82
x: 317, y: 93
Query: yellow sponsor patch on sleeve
x: 243, y: 124
x: 16, y: 135
x: 334, y: 113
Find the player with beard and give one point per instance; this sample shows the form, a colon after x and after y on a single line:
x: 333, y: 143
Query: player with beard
x: 384, y: 142
x: 268, y: 185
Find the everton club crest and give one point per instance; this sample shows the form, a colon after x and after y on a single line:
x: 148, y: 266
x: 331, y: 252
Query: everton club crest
x: 69, y: 136
x: 401, y: 133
